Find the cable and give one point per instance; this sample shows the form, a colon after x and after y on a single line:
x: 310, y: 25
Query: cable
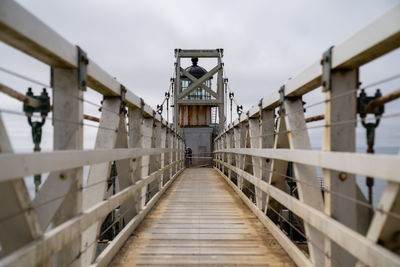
x: 303, y: 235
x: 52, y: 200
x: 293, y: 226
x: 397, y: 76
x: 97, y: 238
x: 388, y: 116
x: 13, y: 73
x: 323, y: 188
x: 49, y: 87
x: 30, y: 208
x: 56, y: 119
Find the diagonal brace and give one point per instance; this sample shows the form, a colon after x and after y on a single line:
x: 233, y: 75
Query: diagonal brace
x: 202, y: 85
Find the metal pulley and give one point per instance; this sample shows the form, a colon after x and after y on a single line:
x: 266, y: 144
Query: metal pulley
x: 364, y: 108
x: 239, y: 109
x: 43, y: 108
x: 159, y: 109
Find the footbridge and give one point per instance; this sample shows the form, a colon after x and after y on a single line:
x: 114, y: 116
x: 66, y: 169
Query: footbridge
x: 196, y: 190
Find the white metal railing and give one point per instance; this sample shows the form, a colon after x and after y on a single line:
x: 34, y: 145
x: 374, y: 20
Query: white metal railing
x: 339, y: 224
x: 61, y: 225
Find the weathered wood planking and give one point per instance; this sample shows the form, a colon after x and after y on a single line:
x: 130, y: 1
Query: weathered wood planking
x: 201, y: 221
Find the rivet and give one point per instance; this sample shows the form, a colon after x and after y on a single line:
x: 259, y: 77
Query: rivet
x: 62, y: 176
x: 342, y: 176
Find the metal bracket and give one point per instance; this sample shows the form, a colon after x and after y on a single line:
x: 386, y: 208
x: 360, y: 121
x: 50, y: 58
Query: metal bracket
x: 142, y: 107
x: 281, y: 99
x: 83, y: 61
x: 177, y: 51
x: 362, y: 109
x: 123, y: 99
x: 44, y: 104
x: 123, y: 94
x: 260, y: 107
x: 159, y: 109
x: 362, y: 104
x: 239, y: 110
x: 220, y: 51
x: 326, y: 63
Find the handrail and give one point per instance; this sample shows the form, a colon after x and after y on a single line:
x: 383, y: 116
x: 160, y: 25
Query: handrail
x: 55, y: 239
x: 382, y: 166
x: 25, y: 32
x: 253, y: 155
x: 373, y: 41
x: 365, y: 250
x: 67, y: 159
x: 158, y: 148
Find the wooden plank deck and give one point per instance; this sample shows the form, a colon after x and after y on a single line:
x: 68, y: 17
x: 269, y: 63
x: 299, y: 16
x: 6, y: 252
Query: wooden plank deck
x: 200, y: 221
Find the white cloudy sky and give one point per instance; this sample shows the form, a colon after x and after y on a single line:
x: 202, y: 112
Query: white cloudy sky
x: 265, y: 43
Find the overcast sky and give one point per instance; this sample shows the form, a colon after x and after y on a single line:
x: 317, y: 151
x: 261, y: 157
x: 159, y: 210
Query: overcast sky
x: 265, y: 43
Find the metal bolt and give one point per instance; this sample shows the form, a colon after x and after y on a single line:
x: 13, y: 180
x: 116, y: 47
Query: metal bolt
x: 342, y: 176
x: 133, y: 160
x: 62, y: 176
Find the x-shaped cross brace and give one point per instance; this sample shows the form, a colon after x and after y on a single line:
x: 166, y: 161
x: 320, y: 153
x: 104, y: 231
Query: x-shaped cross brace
x: 199, y: 82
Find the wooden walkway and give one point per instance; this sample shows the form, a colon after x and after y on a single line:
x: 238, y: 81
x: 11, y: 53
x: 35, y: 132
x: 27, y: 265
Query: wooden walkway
x: 200, y: 221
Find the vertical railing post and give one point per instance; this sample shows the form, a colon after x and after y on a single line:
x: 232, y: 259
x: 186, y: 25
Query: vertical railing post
x: 223, y: 155
x: 176, y: 152
x: 163, y: 137
x: 239, y: 143
x: 341, y: 137
x: 216, y: 147
x: 171, y: 155
x: 146, y: 131
x: 173, y: 145
x: 99, y: 173
x: 157, y: 164
x: 278, y: 167
x: 167, y: 157
x: 68, y: 134
x: 229, y: 155
x: 182, y: 154
x: 255, y: 142
x: 125, y: 168
x: 267, y: 141
x: 218, y: 155
x: 135, y: 121
x: 306, y: 176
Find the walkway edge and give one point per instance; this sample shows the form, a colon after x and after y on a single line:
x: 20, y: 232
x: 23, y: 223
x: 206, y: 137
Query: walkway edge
x: 112, y: 249
x: 294, y: 252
